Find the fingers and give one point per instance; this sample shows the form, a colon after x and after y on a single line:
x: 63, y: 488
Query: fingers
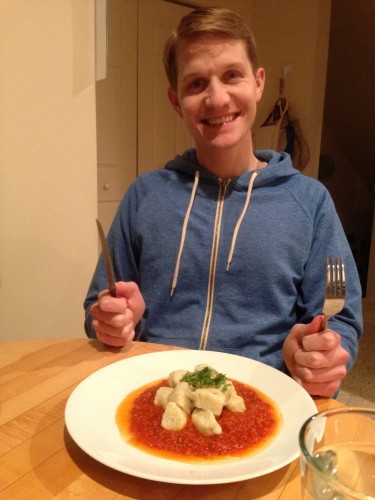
x: 322, y: 350
x: 315, y: 358
x: 113, y: 336
x: 112, y: 323
x: 113, y: 319
x: 325, y: 390
x: 320, y: 375
x: 323, y: 341
x: 114, y: 340
x: 294, y: 341
x: 320, y: 365
x: 107, y: 303
x: 134, y: 298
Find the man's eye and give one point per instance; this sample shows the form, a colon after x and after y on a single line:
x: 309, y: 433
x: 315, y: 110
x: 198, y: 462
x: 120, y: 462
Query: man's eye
x: 233, y: 76
x: 196, y: 84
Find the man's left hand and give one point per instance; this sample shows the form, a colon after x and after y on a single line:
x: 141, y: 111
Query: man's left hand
x: 315, y: 359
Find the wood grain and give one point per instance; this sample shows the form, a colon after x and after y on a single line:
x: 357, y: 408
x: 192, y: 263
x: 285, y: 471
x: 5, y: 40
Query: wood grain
x: 38, y: 458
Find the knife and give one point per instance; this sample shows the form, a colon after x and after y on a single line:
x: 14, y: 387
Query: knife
x: 107, y: 261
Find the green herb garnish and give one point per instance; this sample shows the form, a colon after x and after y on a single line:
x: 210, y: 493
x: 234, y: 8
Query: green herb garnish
x: 205, y: 378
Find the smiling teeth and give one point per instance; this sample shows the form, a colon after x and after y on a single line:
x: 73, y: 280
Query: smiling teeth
x: 219, y: 121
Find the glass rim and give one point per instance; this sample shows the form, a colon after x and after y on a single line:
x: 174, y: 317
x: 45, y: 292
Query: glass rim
x: 311, y: 460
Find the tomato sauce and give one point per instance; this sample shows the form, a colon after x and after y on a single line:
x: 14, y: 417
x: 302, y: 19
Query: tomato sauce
x: 139, y: 422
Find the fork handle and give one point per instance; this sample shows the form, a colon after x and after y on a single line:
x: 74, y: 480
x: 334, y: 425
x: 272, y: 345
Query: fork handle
x: 324, y: 322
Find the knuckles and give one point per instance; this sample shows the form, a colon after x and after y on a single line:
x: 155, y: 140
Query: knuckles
x: 315, y: 360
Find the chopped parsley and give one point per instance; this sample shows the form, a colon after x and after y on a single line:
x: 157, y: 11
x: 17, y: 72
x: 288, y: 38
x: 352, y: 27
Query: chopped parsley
x: 206, y: 378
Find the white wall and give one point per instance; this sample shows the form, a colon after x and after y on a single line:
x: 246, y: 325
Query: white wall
x: 48, y: 198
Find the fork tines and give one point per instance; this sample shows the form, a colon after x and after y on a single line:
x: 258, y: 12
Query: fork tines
x: 335, y: 277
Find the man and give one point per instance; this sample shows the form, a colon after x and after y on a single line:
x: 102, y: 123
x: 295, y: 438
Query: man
x: 225, y: 248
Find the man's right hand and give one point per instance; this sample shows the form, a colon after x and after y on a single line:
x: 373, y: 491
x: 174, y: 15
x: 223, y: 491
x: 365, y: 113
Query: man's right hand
x: 114, y: 318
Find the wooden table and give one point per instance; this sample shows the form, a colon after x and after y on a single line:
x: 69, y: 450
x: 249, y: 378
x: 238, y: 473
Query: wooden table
x: 38, y: 458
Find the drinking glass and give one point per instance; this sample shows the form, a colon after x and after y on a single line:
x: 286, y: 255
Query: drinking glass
x: 338, y: 455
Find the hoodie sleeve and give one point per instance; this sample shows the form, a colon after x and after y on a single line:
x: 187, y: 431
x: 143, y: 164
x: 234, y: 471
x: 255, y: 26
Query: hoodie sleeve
x: 123, y: 249
x: 329, y: 240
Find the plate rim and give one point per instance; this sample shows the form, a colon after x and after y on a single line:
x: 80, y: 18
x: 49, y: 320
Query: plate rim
x: 118, y: 364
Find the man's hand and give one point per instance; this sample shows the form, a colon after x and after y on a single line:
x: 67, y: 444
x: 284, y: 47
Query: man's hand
x: 114, y: 319
x: 315, y: 358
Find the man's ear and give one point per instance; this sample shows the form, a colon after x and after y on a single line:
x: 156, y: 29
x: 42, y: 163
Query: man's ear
x: 173, y: 99
x: 260, y: 78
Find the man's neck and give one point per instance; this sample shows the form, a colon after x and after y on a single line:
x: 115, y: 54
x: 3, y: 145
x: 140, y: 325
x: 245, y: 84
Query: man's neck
x: 227, y: 165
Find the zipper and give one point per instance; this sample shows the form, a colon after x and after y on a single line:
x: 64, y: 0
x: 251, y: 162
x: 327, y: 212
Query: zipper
x: 213, y: 261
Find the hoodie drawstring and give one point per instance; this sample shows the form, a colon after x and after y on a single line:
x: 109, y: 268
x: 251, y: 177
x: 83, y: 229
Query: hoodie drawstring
x: 237, y: 228
x: 186, y: 220
x: 183, y: 234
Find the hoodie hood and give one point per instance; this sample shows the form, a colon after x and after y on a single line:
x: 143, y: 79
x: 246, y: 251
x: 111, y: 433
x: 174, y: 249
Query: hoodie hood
x: 279, y: 165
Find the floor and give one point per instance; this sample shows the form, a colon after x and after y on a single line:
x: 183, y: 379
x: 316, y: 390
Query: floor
x: 358, y: 388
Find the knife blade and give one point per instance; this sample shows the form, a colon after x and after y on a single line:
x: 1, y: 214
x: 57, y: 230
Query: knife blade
x: 107, y: 261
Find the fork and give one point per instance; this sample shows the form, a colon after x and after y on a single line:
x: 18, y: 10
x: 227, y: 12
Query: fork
x: 335, y: 289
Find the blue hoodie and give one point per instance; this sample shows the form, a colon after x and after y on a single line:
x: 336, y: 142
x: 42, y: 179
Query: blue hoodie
x: 230, y: 266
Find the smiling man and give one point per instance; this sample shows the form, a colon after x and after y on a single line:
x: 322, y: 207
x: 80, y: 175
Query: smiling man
x: 225, y: 248
x: 216, y: 93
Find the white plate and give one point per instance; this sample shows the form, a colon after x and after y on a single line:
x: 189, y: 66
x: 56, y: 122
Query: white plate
x: 90, y: 416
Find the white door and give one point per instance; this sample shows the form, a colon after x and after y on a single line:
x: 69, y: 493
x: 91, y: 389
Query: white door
x: 137, y: 129
x: 116, y: 110
x: 161, y: 133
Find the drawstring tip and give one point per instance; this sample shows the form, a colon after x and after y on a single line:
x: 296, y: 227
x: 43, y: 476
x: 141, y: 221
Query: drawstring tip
x: 172, y: 291
x: 228, y: 264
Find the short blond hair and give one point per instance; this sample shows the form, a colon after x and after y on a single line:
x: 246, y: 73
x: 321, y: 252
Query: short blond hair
x: 215, y: 21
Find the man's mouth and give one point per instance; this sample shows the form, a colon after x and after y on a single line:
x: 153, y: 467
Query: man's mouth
x: 221, y: 119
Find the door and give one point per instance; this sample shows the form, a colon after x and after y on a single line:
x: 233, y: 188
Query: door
x: 116, y: 110
x: 137, y: 129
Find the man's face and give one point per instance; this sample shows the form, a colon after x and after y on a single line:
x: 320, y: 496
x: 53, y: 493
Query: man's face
x: 217, y: 92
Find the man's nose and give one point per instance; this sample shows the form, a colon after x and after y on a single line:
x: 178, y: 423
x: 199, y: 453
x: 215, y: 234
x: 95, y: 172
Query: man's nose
x: 217, y: 94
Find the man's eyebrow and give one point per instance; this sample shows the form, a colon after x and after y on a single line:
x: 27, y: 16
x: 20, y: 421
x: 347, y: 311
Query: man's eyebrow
x: 191, y: 74
x: 226, y: 67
